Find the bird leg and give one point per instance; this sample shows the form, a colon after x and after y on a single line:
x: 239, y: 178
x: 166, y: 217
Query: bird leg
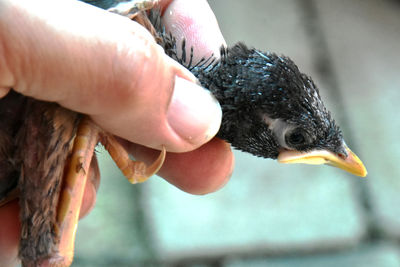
x: 88, y: 135
x: 73, y: 188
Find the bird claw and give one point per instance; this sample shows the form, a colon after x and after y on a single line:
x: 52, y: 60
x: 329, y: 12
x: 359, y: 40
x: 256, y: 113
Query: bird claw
x: 131, y: 8
x: 134, y: 171
x: 142, y: 172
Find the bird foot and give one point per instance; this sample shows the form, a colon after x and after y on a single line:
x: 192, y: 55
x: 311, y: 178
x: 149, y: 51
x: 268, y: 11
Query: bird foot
x: 131, y: 8
x: 134, y: 171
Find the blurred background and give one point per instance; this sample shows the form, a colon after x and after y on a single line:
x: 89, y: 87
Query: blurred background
x: 271, y: 214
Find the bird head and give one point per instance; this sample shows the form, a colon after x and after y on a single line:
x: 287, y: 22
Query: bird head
x: 272, y: 110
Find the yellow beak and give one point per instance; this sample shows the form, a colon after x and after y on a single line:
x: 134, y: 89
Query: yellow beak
x: 351, y: 163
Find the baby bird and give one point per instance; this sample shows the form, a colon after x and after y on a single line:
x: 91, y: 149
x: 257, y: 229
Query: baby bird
x: 272, y: 110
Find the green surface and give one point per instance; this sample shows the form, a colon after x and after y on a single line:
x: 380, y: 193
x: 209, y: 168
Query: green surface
x: 264, y: 206
x: 115, y: 231
x: 377, y: 255
x: 365, y: 44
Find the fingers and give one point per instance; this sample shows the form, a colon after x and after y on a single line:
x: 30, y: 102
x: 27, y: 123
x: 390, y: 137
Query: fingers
x: 9, y: 233
x: 91, y: 187
x: 201, y: 171
x: 4, y: 91
x: 109, y: 67
x: 106, y: 66
x: 195, y: 22
x: 208, y: 168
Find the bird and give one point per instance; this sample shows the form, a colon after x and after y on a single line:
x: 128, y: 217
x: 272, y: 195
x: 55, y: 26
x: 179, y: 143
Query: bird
x: 270, y: 109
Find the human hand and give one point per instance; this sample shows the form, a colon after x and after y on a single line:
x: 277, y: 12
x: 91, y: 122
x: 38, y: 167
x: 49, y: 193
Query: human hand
x: 110, y: 68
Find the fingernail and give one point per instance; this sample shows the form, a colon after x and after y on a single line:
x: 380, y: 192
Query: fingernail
x: 194, y: 113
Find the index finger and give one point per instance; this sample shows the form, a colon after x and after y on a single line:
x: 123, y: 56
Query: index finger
x: 195, y: 22
x: 208, y: 168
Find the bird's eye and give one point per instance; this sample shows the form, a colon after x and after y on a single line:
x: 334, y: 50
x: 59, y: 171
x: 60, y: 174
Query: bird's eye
x: 296, y: 137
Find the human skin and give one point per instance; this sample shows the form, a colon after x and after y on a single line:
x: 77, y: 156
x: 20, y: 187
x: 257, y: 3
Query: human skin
x: 110, y: 68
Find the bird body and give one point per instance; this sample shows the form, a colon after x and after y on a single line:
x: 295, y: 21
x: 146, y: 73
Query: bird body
x: 39, y: 137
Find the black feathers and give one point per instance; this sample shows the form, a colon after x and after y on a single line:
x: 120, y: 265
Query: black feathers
x: 251, y: 86
x: 265, y: 99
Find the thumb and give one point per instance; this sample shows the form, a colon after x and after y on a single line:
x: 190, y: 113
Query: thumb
x: 106, y: 66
